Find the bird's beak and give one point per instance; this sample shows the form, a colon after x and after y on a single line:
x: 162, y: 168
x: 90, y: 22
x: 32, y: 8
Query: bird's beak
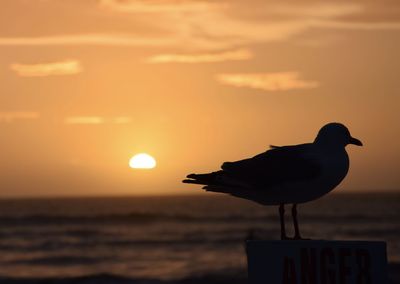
x: 355, y: 141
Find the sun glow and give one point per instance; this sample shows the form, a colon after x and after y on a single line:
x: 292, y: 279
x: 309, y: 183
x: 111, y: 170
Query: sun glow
x: 142, y: 161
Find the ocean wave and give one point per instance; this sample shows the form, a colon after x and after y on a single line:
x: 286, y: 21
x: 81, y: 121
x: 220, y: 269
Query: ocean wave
x: 140, y: 218
x: 105, y: 278
x: 223, y: 277
x: 57, y: 260
x: 57, y: 245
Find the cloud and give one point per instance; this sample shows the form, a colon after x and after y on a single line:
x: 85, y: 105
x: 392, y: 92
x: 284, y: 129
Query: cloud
x: 367, y: 26
x: 66, y: 67
x: 210, y: 26
x: 84, y: 120
x: 138, y: 6
x: 281, y: 81
x: 239, y: 54
x: 227, y: 25
x: 315, y: 10
x: 11, y: 116
x: 96, y: 120
x: 87, y: 39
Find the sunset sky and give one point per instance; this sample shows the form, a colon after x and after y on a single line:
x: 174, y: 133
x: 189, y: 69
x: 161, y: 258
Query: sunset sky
x: 86, y: 84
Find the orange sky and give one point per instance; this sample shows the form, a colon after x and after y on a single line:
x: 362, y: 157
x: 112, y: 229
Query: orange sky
x: 86, y: 84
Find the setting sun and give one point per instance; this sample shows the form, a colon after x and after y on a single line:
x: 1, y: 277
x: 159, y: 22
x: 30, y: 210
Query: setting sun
x: 142, y: 161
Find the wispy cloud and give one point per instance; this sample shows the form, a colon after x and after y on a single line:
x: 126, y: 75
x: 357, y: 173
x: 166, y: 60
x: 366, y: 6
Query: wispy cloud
x: 281, y: 81
x: 315, y: 10
x: 358, y: 25
x: 66, y: 67
x: 87, y: 39
x: 96, y: 120
x: 84, y: 120
x: 138, y: 6
x: 226, y: 25
x: 239, y: 54
x: 11, y: 116
x: 209, y: 26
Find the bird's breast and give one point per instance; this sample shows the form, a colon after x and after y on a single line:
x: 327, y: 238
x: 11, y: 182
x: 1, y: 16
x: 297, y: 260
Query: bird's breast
x: 334, y: 168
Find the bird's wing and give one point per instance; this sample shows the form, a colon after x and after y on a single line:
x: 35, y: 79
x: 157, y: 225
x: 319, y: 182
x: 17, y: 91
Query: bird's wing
x: 275, y: 166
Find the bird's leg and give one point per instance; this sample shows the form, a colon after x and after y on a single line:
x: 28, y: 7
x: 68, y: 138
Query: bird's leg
x: 282, y: 218
x: 295, y: 223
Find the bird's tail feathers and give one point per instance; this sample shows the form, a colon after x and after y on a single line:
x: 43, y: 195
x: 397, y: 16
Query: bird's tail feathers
x: 206, y: 179
x: 218, y: 188
x: 193, y: 181
x: 237, y: 191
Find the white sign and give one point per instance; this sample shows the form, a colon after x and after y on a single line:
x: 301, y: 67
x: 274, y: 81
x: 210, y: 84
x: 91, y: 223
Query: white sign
x: 316, y: 262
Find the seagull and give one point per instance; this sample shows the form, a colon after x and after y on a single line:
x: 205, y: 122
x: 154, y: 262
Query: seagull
x: 283, y: 175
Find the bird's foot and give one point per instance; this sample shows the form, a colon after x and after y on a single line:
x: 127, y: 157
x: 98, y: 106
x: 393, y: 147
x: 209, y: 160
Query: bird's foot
x: 295, y: 238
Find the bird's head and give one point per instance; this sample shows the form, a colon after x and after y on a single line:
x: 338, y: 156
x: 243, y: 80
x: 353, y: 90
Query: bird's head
x: 335, y: 135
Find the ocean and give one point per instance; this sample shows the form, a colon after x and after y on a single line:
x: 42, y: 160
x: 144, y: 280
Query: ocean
x: 171, y: 239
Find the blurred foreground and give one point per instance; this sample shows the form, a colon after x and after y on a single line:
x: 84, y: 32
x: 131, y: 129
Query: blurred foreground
x: 176, y: 239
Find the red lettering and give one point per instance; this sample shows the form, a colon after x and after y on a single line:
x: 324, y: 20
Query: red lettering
x: 328, y: 276
x: 289, y: 272
x: 344, y: 269
x: 308, y: 266
x: 363, y: 261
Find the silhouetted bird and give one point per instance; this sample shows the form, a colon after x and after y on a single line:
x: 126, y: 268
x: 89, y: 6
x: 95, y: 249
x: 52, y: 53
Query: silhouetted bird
x: 286, y: 175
